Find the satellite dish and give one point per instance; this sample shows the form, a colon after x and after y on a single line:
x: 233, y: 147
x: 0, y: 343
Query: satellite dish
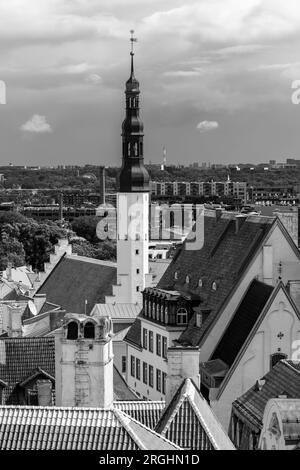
x: 32, y: 308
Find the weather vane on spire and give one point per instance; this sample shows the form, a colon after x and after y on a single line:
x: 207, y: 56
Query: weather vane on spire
x: 132, y: 40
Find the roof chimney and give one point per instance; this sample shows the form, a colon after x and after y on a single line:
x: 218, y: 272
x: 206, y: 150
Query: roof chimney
x: 182, y: 363
x: 219, y: 212
x: 44, y: 390
x: 9, y: 271
x: 239, y: 221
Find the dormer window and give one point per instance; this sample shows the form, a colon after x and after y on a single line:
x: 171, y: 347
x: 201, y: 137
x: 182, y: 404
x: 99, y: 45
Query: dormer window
x: 72, y: 332
x: 182, y: 316
x: 187, y: 280
x: 214, y: 286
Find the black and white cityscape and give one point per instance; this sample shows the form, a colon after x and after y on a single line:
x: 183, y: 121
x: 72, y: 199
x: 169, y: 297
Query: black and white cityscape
x: 149, y: 227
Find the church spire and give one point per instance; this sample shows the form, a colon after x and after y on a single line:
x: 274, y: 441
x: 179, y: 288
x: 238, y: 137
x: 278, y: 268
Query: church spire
x: 134, y: 176
x: 133, y: 40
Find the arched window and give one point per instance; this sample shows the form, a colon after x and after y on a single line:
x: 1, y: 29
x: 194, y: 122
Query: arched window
x: 276, y: 358
x: 176, y: 276
x: 89, y: 330
x: 72, y: 330
x: 136, y: 149
x: 200, y: 283
x: 153, y: 310
x: 187, y: 279
x: 182, y: 316
x: 141, y: 148
x: 214, y: 286
x: 162, y: 312
x: 128, y: 148
x: 157, y: 312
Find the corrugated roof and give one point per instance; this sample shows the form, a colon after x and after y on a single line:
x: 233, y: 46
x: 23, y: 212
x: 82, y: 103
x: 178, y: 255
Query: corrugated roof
x: 76, y: 279
x: 52, y: 428
x: 189, y: 421
x: 117, y: 311
x: 283, y: 379
x: 223, y: 258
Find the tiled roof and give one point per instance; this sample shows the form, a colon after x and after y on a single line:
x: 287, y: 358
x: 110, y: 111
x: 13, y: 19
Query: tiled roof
x: 189, y: 421
x: 21, y: 357
x: 222, y: 259
x: 283, y: 379
x: 146, y: 412
x: 242, y: 322
x: 52, y: 428
x: 117, y: 311
x: 76, y: 279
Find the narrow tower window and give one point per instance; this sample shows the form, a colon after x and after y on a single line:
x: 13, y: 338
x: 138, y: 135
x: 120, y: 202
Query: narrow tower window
x: 89, y: 330
x: 72, y: 330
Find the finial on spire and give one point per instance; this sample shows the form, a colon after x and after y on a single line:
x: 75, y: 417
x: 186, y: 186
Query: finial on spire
x: 132, y: 40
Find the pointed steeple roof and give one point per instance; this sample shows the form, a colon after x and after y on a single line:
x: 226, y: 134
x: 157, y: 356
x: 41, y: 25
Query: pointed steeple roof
x: 189, y: 421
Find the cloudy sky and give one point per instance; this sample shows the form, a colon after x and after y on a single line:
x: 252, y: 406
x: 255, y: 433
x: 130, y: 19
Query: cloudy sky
x: 216, y: 79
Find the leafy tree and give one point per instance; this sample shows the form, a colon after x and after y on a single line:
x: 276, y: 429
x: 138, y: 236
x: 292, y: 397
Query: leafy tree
x: 11, y: 250
x: 86, y: 227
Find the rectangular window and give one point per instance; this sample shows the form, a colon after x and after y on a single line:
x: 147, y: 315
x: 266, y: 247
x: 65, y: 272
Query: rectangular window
x: 137, y: 252
x: 132, y: 366
x: 145, y: 373
x: 137, y: 288
x: 124, y: 363
x: 138, y: 369
x: 151, y: 376
x: 164, y: 382
x: 158, y: 345
x: 145, y: 338
x: 138, y: 271
x: 164, y: 347
x: 151, y: 341
x: 158, y: 380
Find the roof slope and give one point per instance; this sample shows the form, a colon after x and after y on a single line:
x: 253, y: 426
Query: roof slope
x: 146, y: 412
x: 242, y: 322
x: 223, y: 258
x: 283, y: 379
x: 117, y: 311
x: 52, y: 428
x: 76, y: 279
x: 134, y: 334
x: 21, y: 357
x: 189, y: 421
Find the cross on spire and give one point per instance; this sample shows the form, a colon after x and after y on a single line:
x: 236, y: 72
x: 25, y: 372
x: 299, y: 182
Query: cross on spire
x: 132, y: 40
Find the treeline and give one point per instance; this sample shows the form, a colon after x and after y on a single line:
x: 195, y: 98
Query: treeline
x: 25, y: 241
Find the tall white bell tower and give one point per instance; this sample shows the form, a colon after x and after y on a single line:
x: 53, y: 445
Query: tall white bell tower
x: 132, y: 203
